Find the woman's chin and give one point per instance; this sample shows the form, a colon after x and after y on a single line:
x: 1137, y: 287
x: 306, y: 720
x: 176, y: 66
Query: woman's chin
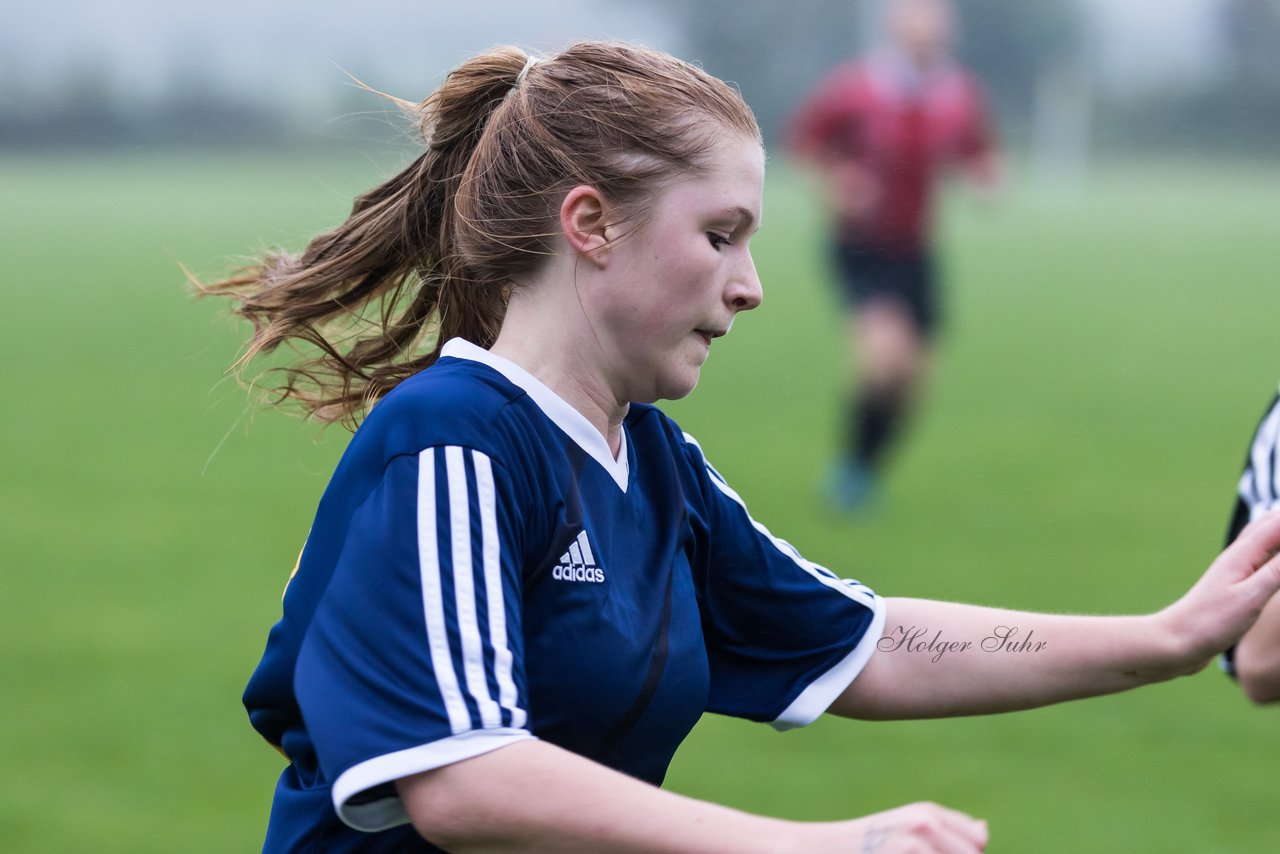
x: 676, y: 387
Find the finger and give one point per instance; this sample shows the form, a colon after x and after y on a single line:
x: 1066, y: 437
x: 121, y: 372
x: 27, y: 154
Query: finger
x: 944, y: 828
x: 1266, y: 512
x: 1259, y: 541
x: 1253, y: 548
x: 1264, y: 582
x: 961, y: 824
x: 964, y: 837
x: 948, y: 842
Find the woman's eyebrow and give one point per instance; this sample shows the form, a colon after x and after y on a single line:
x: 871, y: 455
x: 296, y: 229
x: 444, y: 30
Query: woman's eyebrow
x: 747, y: 218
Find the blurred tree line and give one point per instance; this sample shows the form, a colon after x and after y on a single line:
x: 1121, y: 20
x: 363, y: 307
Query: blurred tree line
x: 85, y: 108
x: 776, y: 51
x: 1027, y: 52
x: 1034, y: 56
x: 1233, y: 113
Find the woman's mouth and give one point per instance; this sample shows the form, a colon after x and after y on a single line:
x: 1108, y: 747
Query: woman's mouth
x: 708, y: 334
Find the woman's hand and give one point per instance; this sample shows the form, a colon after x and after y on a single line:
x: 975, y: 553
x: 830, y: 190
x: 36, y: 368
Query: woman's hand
x: 1227, y: 599
x: 921, y: 828
x: 1066, y: 657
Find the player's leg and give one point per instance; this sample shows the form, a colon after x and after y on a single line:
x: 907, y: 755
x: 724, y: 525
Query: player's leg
x: 890, y: 359
x: 890, y: 323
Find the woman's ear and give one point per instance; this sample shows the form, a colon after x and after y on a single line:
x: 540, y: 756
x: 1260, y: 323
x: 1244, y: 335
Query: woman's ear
x: 583, y: 221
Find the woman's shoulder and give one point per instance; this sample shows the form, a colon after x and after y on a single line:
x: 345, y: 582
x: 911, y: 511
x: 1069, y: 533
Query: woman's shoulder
x: 451, y: 413
x: 648, y: 424
x: 457, y: 384
x: 452, y: 403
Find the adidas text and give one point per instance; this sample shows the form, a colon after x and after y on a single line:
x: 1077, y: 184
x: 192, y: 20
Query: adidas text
x: 578, y: 563
x: 592, y: 574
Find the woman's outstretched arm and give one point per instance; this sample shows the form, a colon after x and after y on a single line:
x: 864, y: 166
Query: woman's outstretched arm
x: 940, y: 659
x: 533, y: 796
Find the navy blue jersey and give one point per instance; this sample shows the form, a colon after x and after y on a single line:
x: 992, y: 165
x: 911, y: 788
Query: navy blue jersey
x: 482, y: 570
x: 1259, y: 488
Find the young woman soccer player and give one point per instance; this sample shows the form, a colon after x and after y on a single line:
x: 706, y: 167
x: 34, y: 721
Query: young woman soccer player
x: 524, y: 583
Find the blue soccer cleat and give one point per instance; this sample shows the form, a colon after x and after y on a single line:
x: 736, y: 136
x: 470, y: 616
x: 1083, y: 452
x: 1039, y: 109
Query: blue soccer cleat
x: 851, y: 486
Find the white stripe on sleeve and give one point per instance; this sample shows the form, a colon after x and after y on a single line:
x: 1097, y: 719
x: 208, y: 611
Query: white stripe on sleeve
x: 432, y: 597
x: 464, y: 588
x: 492, y: 557
x: 855, y: 590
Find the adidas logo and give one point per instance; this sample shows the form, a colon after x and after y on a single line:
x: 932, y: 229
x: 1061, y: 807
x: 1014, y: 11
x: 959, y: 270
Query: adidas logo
x: 578, y: 564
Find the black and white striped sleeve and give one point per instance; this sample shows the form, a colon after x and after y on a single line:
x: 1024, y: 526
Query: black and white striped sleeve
x: 1259, y: 487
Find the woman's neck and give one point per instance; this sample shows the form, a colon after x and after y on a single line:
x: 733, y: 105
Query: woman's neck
x: 539, y: 338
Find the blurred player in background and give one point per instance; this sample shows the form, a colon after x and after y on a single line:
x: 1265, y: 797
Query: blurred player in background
x: 880, y: 131
x: 1255, y: 661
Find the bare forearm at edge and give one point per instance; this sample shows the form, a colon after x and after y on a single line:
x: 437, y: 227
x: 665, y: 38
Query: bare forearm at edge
x: 942, y: 659
x: 534, y: 796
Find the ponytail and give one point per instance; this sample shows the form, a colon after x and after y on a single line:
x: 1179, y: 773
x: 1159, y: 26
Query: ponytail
x: 432, y: 253
x: 391, y: 265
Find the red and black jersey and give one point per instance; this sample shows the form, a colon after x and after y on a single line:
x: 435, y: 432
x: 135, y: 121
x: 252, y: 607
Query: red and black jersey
x: 882, y: 123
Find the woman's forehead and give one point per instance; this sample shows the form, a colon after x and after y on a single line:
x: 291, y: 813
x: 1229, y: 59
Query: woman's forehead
x: 732, y: 177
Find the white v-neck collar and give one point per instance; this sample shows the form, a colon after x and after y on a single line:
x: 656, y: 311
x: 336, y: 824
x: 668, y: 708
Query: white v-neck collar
x: 574, y: 424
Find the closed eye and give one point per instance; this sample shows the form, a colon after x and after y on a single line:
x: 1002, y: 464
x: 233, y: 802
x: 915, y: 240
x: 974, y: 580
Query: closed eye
x: 718, y: 240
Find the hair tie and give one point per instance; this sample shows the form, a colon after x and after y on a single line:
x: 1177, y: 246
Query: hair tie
x: 524, y: 72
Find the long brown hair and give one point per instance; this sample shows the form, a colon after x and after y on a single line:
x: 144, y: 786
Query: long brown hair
x: 431, y: 253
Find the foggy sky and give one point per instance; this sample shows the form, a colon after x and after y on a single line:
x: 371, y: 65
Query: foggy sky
x: 289, y: 48
x: 294, y: 45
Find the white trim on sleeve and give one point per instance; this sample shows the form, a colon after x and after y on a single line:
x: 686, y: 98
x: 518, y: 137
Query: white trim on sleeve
x: 821, y: 692
x: 855, y: 590
x: 389, y: 812
x: 824, y: 690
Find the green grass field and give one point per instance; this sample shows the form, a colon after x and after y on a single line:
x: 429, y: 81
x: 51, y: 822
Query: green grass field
x: 1105, y: 361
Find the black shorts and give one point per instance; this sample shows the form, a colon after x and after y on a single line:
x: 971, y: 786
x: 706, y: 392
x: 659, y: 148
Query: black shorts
x: 869, y: 275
